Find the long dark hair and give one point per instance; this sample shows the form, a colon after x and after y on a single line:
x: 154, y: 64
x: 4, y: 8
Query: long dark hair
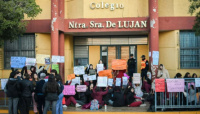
x: 34, y: 81
x: 52, y: 85
x: 54, y: 71
x: 186, y: 75
x: 194, y: 75
x: 58, y: 78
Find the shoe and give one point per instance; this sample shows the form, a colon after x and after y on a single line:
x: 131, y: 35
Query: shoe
x: 143, y: 105
x: 78, y: 105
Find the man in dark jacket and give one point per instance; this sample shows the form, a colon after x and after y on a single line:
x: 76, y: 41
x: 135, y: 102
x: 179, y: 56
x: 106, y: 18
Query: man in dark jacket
x: 131, y: 67
x: 13, y: 92
x: 40, y: 95
x: 26, y: 94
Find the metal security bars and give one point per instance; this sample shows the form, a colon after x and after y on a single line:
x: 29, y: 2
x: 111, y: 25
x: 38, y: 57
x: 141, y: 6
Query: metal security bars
x: 179, y: 100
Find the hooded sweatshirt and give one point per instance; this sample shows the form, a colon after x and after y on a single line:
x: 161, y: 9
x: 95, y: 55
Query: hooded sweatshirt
x: 163, y: 73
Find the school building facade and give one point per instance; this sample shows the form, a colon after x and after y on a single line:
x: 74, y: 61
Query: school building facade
x: 85, y: 31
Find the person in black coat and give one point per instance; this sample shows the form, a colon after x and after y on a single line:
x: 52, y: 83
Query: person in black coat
x: 131, y: 67
x: 131, y: 98
x: 80, y: 97
x: 13, y: 91
x: 118, y: 97
x: 26, y: 94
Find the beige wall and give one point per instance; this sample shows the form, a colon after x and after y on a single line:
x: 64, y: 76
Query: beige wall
x: 69, y: 56
x: 141, y: 50
x: 94, y: 55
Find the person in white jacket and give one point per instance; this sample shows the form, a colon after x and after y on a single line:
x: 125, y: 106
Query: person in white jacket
x: 162, y: 72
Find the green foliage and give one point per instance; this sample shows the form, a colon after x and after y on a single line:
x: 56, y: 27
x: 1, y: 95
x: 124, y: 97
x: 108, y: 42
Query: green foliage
x: 11, y: 17
x: 194, y: 8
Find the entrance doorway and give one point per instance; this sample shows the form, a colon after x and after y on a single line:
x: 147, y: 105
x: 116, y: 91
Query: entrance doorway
x: 108, y: 53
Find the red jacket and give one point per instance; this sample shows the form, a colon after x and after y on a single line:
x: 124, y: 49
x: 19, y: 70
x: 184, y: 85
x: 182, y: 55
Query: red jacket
x: 99, y: 95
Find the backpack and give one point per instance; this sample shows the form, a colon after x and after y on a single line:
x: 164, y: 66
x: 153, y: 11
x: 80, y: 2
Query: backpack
x: 94, y: 105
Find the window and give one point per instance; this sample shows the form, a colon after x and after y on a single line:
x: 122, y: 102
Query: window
x: 24, y: 47
x: 81, y: 55
x: 189, y: 50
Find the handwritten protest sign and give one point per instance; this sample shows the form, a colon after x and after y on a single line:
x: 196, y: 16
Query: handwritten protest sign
x: 92, y: 72
x: 136, y: 78
x: 197, y: 82
x: 40, y: 58
x: 99, y: 67
x: 125, y: 75
x: 92, y: 77
x: 110, y: 82
x: 71, y: 76
x: 62, y: 59
x: 47, y: 61
x: 3, y: 83
x: 30, y: 61
x: 69, y: 90
x: 79, y: 70
x: 102, y: 81
x: 175, y: 85
x: 107, y: 73
x: 159, y: 85
x: 118, y: 82
x: 55, y: 59
x: 125, y: 80
x: 76, y: 81
x: 18, y: 62
x: 85, y: 77
x: 55, y: 67
x: 119, y: 64
x: 81, y: 88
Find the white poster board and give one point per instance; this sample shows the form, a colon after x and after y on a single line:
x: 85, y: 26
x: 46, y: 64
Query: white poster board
x: 125, y: 80
x: 30, y: 61
x: 136, y: 78
x: 99, y: 67
x: 55, y: 59
x: 76, y: 81
x: 3, y: 83
x: 78, y: 70
x: 62, y: 59
x: 118, y: 82
x: 92, y: 77
x: 155, y: 57
x: 110, y: 82
x: 102, y: 81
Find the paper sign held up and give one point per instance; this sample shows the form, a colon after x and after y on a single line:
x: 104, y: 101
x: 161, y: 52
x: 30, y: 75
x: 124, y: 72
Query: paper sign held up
x: 18, y: 62
x: 136, y: 78
x: 118, y: 82
x: 119, y: 64
x: 78, y: 70
x: 110, y: 82
x: 159, y: 85
x: 71, y: 76
x: 30, y: 61
x: 102, y: 81
x: 69, y: 90
x: 175, y: 85
x: 99, y: 67
x: 47, y: 61
x: 125, y: 80
x: 81, y: 88
x: 107, y: 73
x: 76, y: 81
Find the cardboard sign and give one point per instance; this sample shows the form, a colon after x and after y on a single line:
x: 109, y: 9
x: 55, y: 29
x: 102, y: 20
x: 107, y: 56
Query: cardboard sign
x: 40, y: 58
x: 55, y: 67
x: 107, y: 73
x: 92, y: 72
x: 136, y: 78
x: 78, y: 70
x: 102, y: 81
x: 81, y: 88
x: 99, y: 67
x: 110, y: 82
x: 71, y: 76
x: 118, y: 82
x: 76, y: 81
x: 69, y: 90
x: 3, y: 83
x: 159, y: 85
x: 119, y: 64
x: 125, y: 75
x: 197, y: 82
x: 47, y: 61
x: 18, y: 62
x: 175, y: 85
x: 30, y: 61
x: 125, y: 80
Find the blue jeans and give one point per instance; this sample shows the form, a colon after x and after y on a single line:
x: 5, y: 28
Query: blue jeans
x: 59, y: 108
x: 47, y: 104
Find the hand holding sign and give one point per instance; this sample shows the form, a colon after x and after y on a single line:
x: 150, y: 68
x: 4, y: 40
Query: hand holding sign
x: 69, y: 90
x: 136, y: 78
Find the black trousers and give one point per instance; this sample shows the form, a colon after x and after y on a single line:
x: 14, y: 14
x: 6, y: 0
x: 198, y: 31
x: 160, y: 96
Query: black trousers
x: 40, y: 103
x: 24, y: 103
x: 143, y: 74
x: 130, y: 73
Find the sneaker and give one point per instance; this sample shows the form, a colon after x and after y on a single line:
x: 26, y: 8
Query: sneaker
x: 78, y: 105
x: 143, y: 105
